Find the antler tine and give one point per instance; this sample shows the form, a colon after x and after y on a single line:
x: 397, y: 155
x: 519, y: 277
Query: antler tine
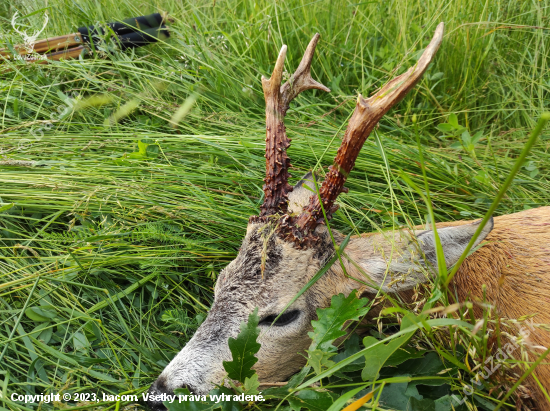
x: 277, y: 100
x: 365, y: 117
x: 46, y: 19
x: 301, y: 80
x: 272, y: 84
x: 13, y: 19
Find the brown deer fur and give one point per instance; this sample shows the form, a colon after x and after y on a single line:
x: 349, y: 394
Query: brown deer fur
x: 514, y: 264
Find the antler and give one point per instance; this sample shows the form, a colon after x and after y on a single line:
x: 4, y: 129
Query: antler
x: 28, y: 39
x: 277, y: 101
x: 13, y: 24
x: 365, y: 117
x: 46, y: 19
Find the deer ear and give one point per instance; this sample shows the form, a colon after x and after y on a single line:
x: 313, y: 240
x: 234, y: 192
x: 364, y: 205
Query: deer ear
x: 453, y: 241
x: 398, y: 260
x: 298, y: 198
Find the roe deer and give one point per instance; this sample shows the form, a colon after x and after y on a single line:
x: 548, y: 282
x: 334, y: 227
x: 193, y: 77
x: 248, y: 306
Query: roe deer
x: 287, y: 244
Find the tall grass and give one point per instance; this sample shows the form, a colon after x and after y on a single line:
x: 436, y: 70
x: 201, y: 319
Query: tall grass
x: 114, y: 256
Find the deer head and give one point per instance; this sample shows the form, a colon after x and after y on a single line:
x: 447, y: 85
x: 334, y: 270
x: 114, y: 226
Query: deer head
x: 287, y: 244
x: 28, y: 40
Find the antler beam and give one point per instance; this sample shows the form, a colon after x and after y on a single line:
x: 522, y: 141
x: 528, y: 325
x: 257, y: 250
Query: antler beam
x: 277, y: 101
x: 365, y: 117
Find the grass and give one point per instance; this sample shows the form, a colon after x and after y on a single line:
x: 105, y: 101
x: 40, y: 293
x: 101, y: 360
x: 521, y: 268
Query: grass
x: 126, y: 249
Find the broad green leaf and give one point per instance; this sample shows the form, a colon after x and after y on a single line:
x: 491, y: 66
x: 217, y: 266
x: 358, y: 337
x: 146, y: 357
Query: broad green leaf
x: 80, y: 342
x: 6, y: 207
x: 446, y: 403
x: 136, y: 155
x: 437, y: 76
x: 46, y: 335
x: 484, y: 402
x: 152, y: 151
x: 142, y: 148
x: 403, y: 354
x: 445, y: 128
x: 482, y: 177
x: 396, y: 396
x: 145, y: 150
x: 331, y: 320
x: 477, y: 136
x: 311, y: 400
x: 38, y: 329
x: 430, y: 364
x: 466, y: 138
x: 40, y: 314
x: 243, y: 349
x: 281, y: 392
x: 351, y: 346
x: 251, y: 385
x: 436, y: 381
x: 409, y: 324
x: 376, y: 357
x: 424, y: 404
x: 37, y: 367
x: 320, y: 360
x: 453, y: 120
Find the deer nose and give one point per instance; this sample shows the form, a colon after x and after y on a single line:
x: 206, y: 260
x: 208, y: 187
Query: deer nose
x: 156, y: 391
x: 156, y: 405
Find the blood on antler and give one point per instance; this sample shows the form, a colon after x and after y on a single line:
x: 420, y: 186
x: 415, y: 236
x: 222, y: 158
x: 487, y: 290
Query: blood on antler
x: 365, y: 117
x: 277, y: 101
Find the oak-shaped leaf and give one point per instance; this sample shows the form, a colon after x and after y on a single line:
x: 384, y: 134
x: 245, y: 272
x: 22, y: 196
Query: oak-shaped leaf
x: 251, y: 385
x: 377, y: 353
x: 320, y: 360
x: 243, y: 349
x: 311, y: 400
x: 332, y: 319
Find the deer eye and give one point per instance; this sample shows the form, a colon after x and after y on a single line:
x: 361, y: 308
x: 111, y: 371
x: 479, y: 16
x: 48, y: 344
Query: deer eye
x: 286, y: 318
